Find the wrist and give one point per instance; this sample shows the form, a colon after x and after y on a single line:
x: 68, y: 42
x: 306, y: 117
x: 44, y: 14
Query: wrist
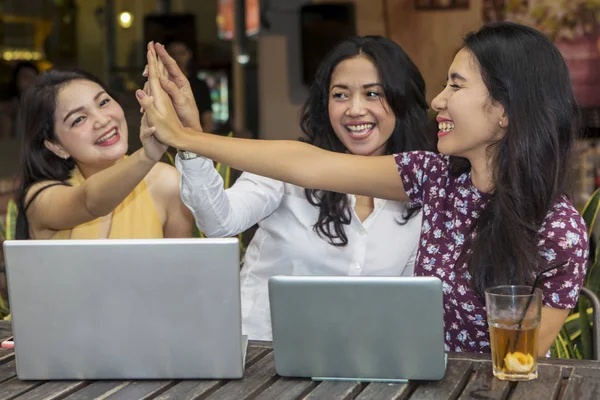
x: 182, y: 142
x: 144, y: 159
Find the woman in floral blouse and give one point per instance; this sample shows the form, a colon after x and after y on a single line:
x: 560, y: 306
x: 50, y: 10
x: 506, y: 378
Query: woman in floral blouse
x: 494, y: 204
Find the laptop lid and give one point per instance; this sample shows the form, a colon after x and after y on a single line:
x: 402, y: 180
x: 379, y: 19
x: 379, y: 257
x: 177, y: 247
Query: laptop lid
x: 358, y: 328
x: 126, y: 309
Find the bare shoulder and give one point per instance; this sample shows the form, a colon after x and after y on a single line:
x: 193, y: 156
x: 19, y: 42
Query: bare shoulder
x: 163, y: 179
x: 40, y: 187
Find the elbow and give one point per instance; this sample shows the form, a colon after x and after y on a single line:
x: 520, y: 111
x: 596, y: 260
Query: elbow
x: 96, y: 209
x: 214, y: 232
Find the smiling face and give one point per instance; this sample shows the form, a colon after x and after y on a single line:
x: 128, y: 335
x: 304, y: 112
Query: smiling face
x: 468, y: 119
x: 358, y: 111
x: 89, y: 125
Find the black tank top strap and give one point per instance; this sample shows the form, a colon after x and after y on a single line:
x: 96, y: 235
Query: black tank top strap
x: 41, y: 190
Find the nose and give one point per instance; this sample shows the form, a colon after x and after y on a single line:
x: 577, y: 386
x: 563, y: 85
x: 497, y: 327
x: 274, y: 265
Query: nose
x: 356, y: 106
x: 100, y: 119
x: 439, y: 102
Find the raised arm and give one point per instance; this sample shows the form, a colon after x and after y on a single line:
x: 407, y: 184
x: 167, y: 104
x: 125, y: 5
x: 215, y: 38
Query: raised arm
x: 223, y: 213
x: 63, y: 207
x: 289, y: 161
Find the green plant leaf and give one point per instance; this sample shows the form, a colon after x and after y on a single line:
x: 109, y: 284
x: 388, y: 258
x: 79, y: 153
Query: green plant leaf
x: 592, y: 280
x: 11, y: 220
x: 586, y: 330
x: 590, y: 211
x: 570, y: 348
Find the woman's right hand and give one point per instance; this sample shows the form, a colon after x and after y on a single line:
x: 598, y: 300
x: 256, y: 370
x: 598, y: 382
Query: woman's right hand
x: 176, y: 84
x: 158, y: 108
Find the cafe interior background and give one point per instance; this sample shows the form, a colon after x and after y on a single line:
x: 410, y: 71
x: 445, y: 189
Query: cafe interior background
x: 259, y: 80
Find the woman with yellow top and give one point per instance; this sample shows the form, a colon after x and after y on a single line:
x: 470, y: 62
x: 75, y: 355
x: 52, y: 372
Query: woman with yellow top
x: 75, y: 181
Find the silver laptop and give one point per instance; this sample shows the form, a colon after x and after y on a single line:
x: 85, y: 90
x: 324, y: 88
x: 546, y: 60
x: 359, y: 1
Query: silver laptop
x: 358, y: 328
x: 126, y: 309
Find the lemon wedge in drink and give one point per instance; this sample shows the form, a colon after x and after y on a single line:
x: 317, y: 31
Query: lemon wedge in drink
x: 518, y: 362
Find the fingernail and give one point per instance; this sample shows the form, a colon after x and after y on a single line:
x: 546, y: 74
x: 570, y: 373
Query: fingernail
x: 139, y: 94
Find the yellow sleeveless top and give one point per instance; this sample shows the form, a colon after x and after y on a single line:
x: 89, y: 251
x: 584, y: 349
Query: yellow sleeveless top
x: 135, y: 218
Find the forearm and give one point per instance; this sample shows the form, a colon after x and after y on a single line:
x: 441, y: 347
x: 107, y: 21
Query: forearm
x: 289, y: 161
x: 550, y: 325
x: 105, y: 190
x: 224, y: 213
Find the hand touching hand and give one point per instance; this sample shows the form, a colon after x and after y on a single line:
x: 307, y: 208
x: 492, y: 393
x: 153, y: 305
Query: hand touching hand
x: 176, y: 84
x: 153, y: 148
x: 158, y: 108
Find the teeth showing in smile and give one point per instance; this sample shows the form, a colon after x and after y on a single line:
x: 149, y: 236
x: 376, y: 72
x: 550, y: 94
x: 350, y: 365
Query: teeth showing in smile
x: 446, y: 126
x: 360, y: 129
x: 110, y: 135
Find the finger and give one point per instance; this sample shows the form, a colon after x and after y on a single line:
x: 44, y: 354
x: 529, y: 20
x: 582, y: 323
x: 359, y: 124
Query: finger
x: 175, y: 73
x: 153, y: 77
x: 146, y: 102
x: 162, y: 70
x: 145, y: 73
x: 177, y: 97
x: 146, y: 90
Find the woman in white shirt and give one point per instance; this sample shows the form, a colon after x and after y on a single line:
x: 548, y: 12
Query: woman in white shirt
x: 368, y: 98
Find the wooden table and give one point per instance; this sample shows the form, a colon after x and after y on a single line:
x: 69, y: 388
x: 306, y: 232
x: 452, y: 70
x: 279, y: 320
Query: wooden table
x: 469, y: 376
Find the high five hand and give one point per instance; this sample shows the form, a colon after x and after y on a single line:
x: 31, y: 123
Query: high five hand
x: 176, y: 84
x: 158, y: 107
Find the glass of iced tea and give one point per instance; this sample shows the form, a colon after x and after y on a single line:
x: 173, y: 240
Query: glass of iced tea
x: 513, y: 314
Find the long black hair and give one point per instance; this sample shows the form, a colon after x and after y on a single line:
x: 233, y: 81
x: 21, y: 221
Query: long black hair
x: 35, y: 125
x: 404, y: 90
x: 525, y: 73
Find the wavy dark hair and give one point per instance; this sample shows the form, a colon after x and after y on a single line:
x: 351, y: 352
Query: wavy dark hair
x: 35, y: 125
x: 404, y: 90
x: 526, y: 74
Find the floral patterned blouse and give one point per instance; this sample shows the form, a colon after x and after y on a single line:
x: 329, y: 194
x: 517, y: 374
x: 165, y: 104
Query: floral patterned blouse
x: 451, y: 205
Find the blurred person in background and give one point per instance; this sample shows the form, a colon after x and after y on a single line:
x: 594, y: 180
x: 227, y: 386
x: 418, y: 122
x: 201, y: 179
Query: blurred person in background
x: 24, y: 72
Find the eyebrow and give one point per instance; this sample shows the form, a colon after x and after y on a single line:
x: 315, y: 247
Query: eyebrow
x: 365, y: 86
x: 455, y: 76
x: 78, y: 109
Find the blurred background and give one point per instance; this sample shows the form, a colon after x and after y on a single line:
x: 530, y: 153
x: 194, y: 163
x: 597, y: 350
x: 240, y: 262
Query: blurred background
x: 253, y: 80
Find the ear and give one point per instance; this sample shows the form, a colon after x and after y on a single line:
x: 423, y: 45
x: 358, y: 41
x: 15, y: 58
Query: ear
x: 56, y: 149
x: 503, y: 121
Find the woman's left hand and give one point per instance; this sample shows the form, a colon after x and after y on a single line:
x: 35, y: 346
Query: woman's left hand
x: 158, y: 109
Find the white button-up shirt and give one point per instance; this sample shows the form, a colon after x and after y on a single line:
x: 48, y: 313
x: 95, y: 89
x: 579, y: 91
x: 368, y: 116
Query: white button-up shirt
x: 285, y: 242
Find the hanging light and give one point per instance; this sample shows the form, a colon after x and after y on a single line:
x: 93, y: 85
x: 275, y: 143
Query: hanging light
x: 125, y: 19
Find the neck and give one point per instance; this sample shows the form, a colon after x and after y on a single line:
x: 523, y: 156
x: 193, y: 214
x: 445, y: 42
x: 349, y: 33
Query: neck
x: 481, y: 174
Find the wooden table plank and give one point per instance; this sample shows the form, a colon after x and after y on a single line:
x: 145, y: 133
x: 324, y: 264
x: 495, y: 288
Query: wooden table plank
x: 12, y: 388
x: 8, y: 370
x: 53, y: 390
x: 546, y: 386
x: 6, y: 355
x: 337, y: 390
x: 5, y: 329
x: 380, y: 390
x: 457, y: 375
x: 256, y: 379
x: 194, y: 389
x: 287, y: 388
x: 98, y: 390
x: 485, y: 357
x: 142, y: 389
x: 583, y: 384
x: 483, y: 385
x: 190, y: 390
